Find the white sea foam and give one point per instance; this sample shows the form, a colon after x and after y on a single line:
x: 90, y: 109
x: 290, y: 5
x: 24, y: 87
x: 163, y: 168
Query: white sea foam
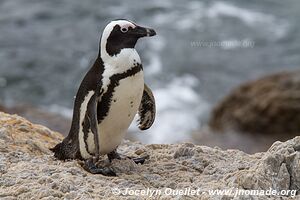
x: 61, y: 110
x: 194, y: 13
x: 252, y: 18
x: 178, y: 110
x: 154, y: 66
x: 192, y: 18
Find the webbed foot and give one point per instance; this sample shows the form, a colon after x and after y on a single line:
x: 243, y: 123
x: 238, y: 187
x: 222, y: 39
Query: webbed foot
x: 115, y: 155
x: 91, y: 167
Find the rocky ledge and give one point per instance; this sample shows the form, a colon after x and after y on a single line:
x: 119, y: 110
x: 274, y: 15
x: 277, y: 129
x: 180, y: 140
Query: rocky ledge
x: 29, y: 170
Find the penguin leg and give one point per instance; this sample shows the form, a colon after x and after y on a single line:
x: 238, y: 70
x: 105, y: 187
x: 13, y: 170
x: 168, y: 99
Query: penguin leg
x: 115, y: 155
x: 90, y: 166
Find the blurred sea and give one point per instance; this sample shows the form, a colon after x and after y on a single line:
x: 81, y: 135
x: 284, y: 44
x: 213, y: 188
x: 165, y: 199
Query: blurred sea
x: 203, y: 50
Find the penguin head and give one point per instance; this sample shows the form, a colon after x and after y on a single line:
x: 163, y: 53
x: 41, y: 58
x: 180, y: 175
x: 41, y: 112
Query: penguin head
x: 122, y: 34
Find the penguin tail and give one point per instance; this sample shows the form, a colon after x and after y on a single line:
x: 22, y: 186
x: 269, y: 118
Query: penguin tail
x: 58, y: 151
x: 64, y: 150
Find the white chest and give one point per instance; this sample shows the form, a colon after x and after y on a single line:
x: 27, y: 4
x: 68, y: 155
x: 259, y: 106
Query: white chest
x: 125, y: 102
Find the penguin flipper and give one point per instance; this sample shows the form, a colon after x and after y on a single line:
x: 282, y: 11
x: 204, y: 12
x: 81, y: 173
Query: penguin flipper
x: 93, y: 121
x: 147, y: 109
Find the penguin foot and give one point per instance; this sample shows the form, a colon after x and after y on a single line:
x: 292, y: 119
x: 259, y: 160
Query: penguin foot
x: 115, y: 155
x: 90, y: 166
x: 139, y: 160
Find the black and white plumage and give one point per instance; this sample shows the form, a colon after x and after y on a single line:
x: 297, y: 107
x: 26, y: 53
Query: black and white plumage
x: 109, y: 96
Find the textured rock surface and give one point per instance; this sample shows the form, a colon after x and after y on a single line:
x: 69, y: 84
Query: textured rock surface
x: 28, y: 169
x: 37, y: 115
x: 270, y: 105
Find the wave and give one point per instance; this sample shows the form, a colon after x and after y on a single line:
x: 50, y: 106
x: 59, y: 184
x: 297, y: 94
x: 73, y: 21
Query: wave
x: 249, y: 17
x: 179, y: 108
x: 61, y: 110
x: 195, y: 13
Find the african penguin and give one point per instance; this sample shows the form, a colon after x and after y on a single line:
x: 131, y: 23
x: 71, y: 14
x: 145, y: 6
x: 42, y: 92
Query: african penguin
x: 109, y: 96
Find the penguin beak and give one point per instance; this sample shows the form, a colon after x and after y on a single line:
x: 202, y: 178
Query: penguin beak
x: 140, y: 31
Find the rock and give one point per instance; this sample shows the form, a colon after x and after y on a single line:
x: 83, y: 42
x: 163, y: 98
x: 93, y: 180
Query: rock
x: 29, y: 170
x: 270, y: 105
x: 54, y: 121
x: 278, y: 168
x: 184, y: 151
x: 246, y: 142
x: 18, y: 137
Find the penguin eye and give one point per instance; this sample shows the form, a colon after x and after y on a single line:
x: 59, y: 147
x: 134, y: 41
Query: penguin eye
x: 124, y: 29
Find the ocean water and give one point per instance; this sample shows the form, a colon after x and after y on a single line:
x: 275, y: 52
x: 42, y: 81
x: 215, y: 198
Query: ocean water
x: 203, y: 49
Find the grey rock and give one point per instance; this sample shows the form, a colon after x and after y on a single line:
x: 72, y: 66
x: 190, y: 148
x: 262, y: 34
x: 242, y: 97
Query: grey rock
x: 33, y: 173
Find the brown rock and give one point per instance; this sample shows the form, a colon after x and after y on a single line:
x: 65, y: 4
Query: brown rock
x: 37, y: 115
x: 19, y: 135
x: 270, y: 105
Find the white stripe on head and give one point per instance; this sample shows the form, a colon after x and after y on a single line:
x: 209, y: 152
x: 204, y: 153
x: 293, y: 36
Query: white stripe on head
x: 107, y: 30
